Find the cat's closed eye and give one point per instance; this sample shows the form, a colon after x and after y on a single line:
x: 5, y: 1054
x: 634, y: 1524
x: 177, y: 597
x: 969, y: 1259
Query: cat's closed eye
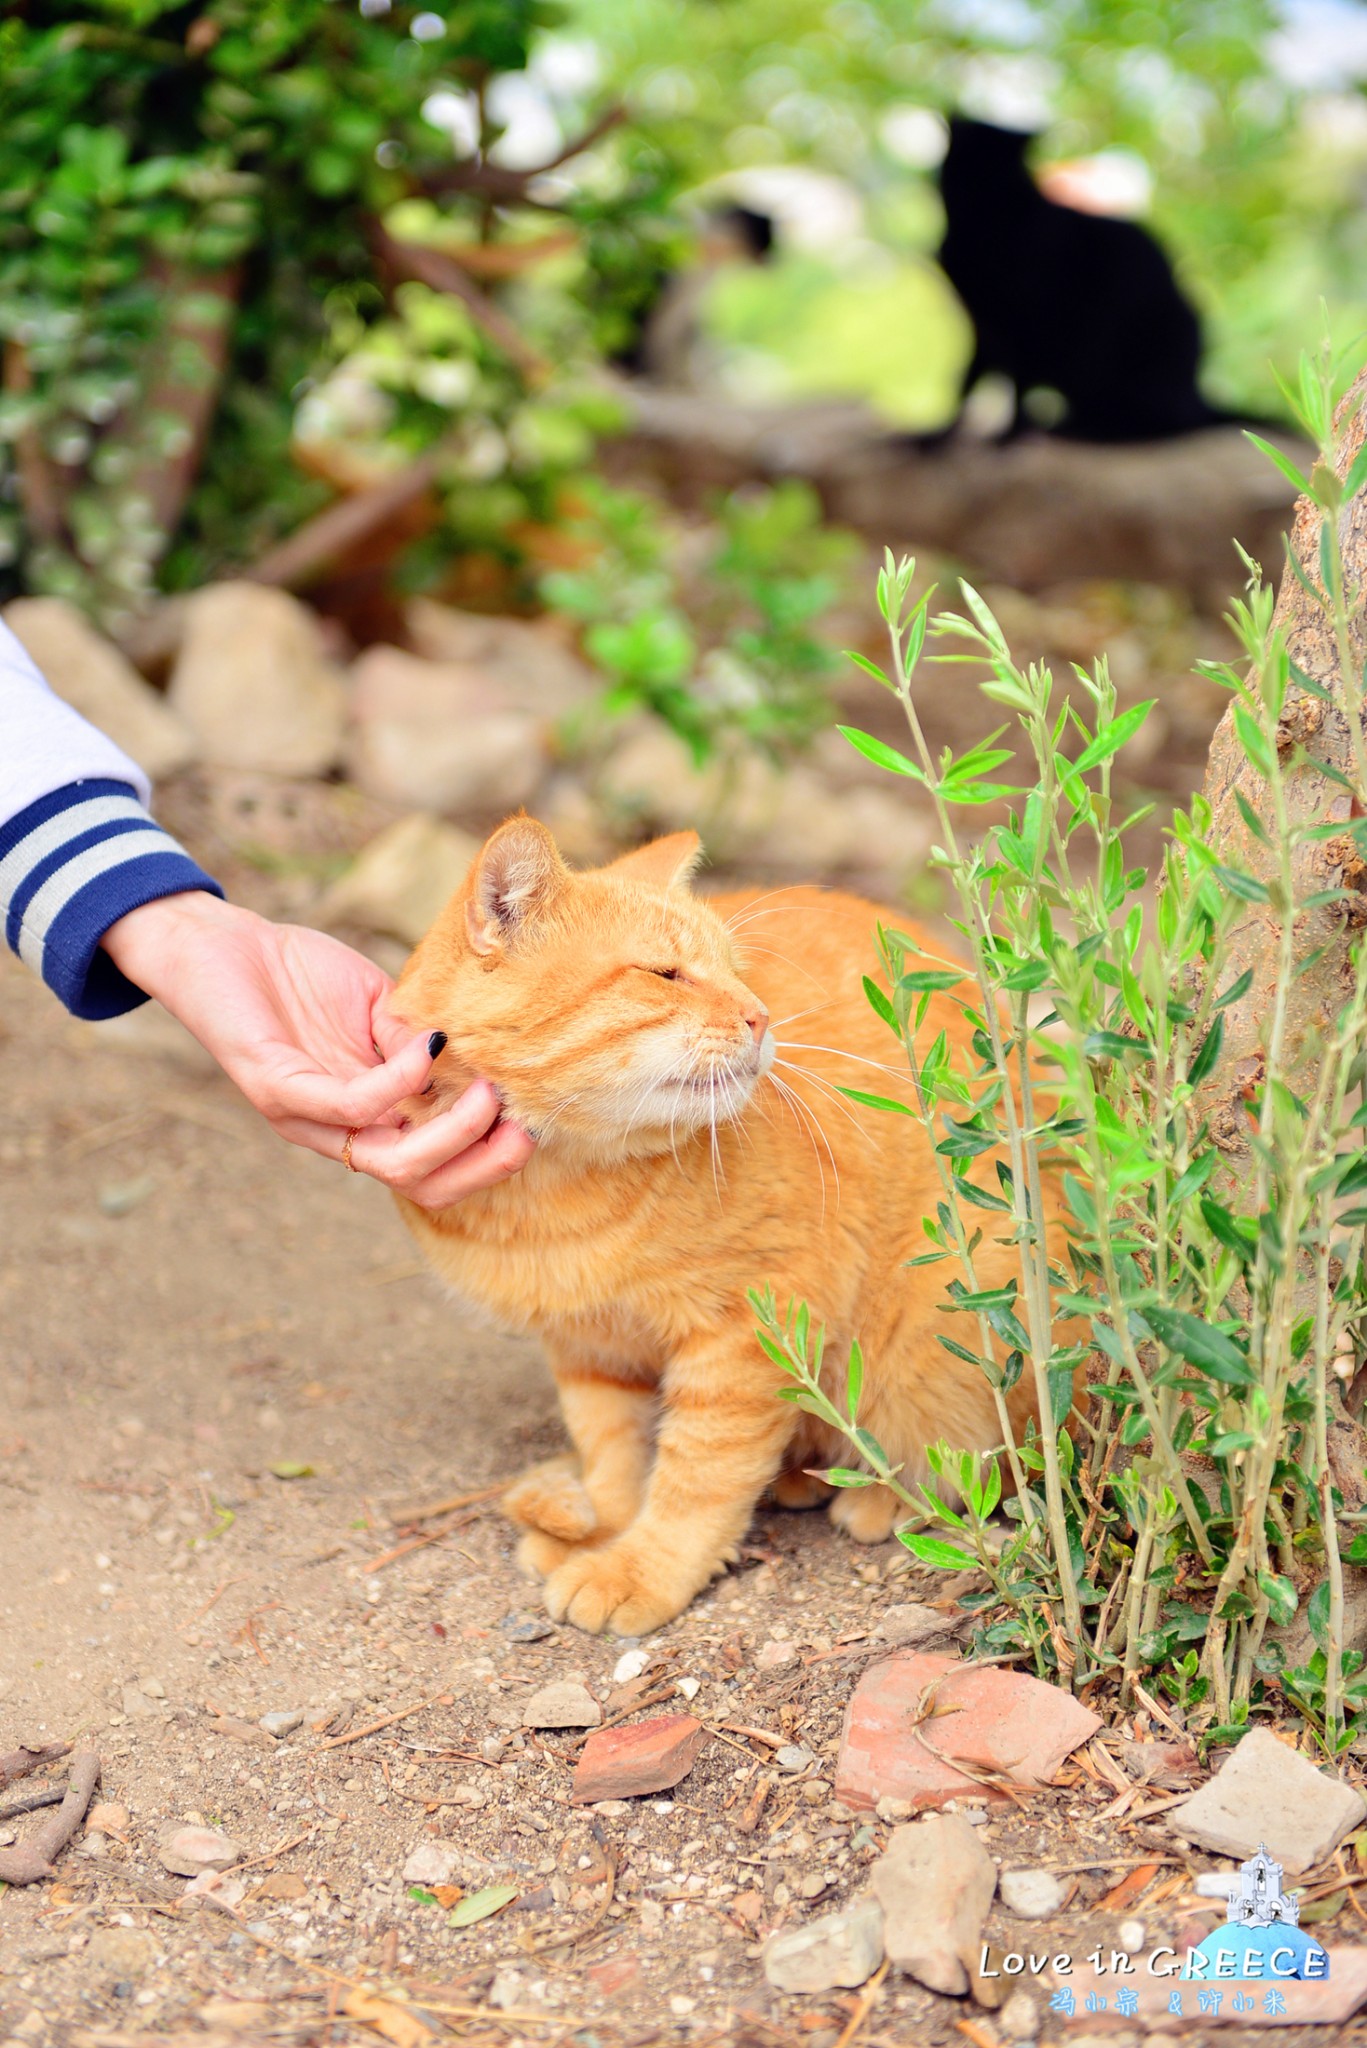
x: 664, y: 973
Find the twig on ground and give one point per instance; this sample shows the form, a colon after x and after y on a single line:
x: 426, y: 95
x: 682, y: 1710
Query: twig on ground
x: 33, y: 1859
x: 22, y: 1763
x: 374, y: 1727
x: 385, y: 1557
x: 401, y: 1517
x: 867, y: 2000
x: 49, y: 1795
x: 650, y: 1699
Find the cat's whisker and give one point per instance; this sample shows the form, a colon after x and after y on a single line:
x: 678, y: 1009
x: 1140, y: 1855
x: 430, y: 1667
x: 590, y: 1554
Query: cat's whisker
x: 748, y: 947
x: 777, y: 1023
x: 838, y: 1052
x: 797, y: 1109
x: 829, y: 1090
x: 816, y: 1125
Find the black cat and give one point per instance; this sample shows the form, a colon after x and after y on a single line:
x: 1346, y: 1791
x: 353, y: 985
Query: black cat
x: 1066, y: 301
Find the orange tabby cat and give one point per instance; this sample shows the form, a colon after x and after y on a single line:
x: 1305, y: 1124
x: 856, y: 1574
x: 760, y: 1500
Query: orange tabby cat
x: 678, y: 1061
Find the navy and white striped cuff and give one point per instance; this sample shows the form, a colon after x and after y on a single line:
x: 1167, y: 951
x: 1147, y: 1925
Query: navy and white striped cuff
x: 71, y: 865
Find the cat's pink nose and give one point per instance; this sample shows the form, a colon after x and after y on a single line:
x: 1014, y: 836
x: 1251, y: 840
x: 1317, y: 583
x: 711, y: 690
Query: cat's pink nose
x: 757, y: 1022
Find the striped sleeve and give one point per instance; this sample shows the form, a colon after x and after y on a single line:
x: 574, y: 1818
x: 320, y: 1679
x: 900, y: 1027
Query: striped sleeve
x: 71, y: 864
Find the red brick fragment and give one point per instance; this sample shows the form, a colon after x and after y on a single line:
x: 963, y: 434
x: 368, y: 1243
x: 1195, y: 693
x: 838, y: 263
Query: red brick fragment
x: 999, y: 1722
x: 651, y: 1756
x: 614, y: 1975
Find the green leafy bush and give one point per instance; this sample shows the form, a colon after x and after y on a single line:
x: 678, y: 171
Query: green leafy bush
x: 1194, y: 1503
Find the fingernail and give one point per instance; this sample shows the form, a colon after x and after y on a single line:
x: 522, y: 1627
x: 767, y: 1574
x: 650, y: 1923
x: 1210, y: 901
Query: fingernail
x: 436, y: 1044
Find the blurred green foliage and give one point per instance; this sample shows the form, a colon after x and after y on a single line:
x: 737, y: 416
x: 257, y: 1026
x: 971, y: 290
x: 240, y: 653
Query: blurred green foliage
x: 201, y: 341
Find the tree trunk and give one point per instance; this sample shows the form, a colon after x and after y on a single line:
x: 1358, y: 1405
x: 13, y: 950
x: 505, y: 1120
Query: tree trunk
x: 1320, y: 729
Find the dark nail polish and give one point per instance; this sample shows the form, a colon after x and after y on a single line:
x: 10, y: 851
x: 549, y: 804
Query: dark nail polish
x: 436, y: 1044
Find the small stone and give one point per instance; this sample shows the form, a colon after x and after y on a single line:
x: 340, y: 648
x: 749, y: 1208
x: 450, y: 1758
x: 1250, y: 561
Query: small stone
x: 526, y: 1628
x: 282, y: 1721
x: 1019, y: 2018
x: 564, y: 1704
x: 631, y: 1664
x: 837, y: 1952
x: 186, y: 1851
x: 1132, y: 1935
x: 613, y: 1809
x: 688, y: 1688
x: 1030, y: 1894
x: 812, y: 1887
x: 681, y: 2005
x: 912, y: 1621
x: 1268, y: 1794
x: 935, y: 1885
x: 994, y: 1720
x: 774, y: 1656
x: 138, y: 1705
x: 507, y: 1991
x: 252, y: 683
x: 153, y: 1687
x: 283, y: 1884
x: 793, y: 1757
x: 649, y: 1756
x: 433, y: 1862
x: 106, y: 1817
x: 238, y: 1730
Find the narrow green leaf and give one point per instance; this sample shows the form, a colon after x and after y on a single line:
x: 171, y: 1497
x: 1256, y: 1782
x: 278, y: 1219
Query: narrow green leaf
x: 482, y: 1904
x: 877, y: 1101
x: 882, y: 755
x: 1284, y: 463
x: 1113, y: 736
x: 934, y: 1550
x: 1209, y: 1053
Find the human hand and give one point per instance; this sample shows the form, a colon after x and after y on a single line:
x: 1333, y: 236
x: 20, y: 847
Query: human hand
x: 299, y: 1022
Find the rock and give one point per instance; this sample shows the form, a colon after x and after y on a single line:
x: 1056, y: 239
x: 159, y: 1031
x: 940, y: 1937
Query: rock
x: 565, y: 1704
x: 526, y: 1628
x: 106, y: 1817
x: 283, y: 1884
x: 1168, y: 1764
x: 253, y: 685
x: 649, y: 1756
x: 774, y: 1656
x: 1267, y: 1793
x: 793, y: 1757
x: 402, y: 878
x: 433, y: 1862
x: 525, y: 663
x: 101, y: 683
x: 238, y: 1730
x: 612, y: 1809
x: 1030, y: 1894
x: 437, y: 736
x: 1019, y: 2018
x: 1002, y: 1721
x: 631, y: 1664
x: 282, y: 1721
x: 935, y: 1885
x: 837, y: 1952
x: 138, y: 1705
x: 189, y: 1850
x: 914, y: 1622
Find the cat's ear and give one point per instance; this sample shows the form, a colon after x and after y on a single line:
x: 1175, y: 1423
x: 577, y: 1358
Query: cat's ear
x: 518, y: 873
x: 668, y: 863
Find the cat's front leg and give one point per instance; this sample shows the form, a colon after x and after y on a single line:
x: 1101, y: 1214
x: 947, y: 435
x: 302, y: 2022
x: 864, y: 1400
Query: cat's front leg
x: 595, y: 1493
x: 722, y: 1437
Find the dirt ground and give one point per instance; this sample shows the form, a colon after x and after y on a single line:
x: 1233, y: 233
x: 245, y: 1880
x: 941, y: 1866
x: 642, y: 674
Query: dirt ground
x: 193, y: 1311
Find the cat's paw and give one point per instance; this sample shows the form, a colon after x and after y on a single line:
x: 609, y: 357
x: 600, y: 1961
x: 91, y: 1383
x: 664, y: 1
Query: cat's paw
x: 552, y: 1498
x: 616, y: 1587
x: 798, y: 1489
x: 538, y: 1554
x: 867, y: 1514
